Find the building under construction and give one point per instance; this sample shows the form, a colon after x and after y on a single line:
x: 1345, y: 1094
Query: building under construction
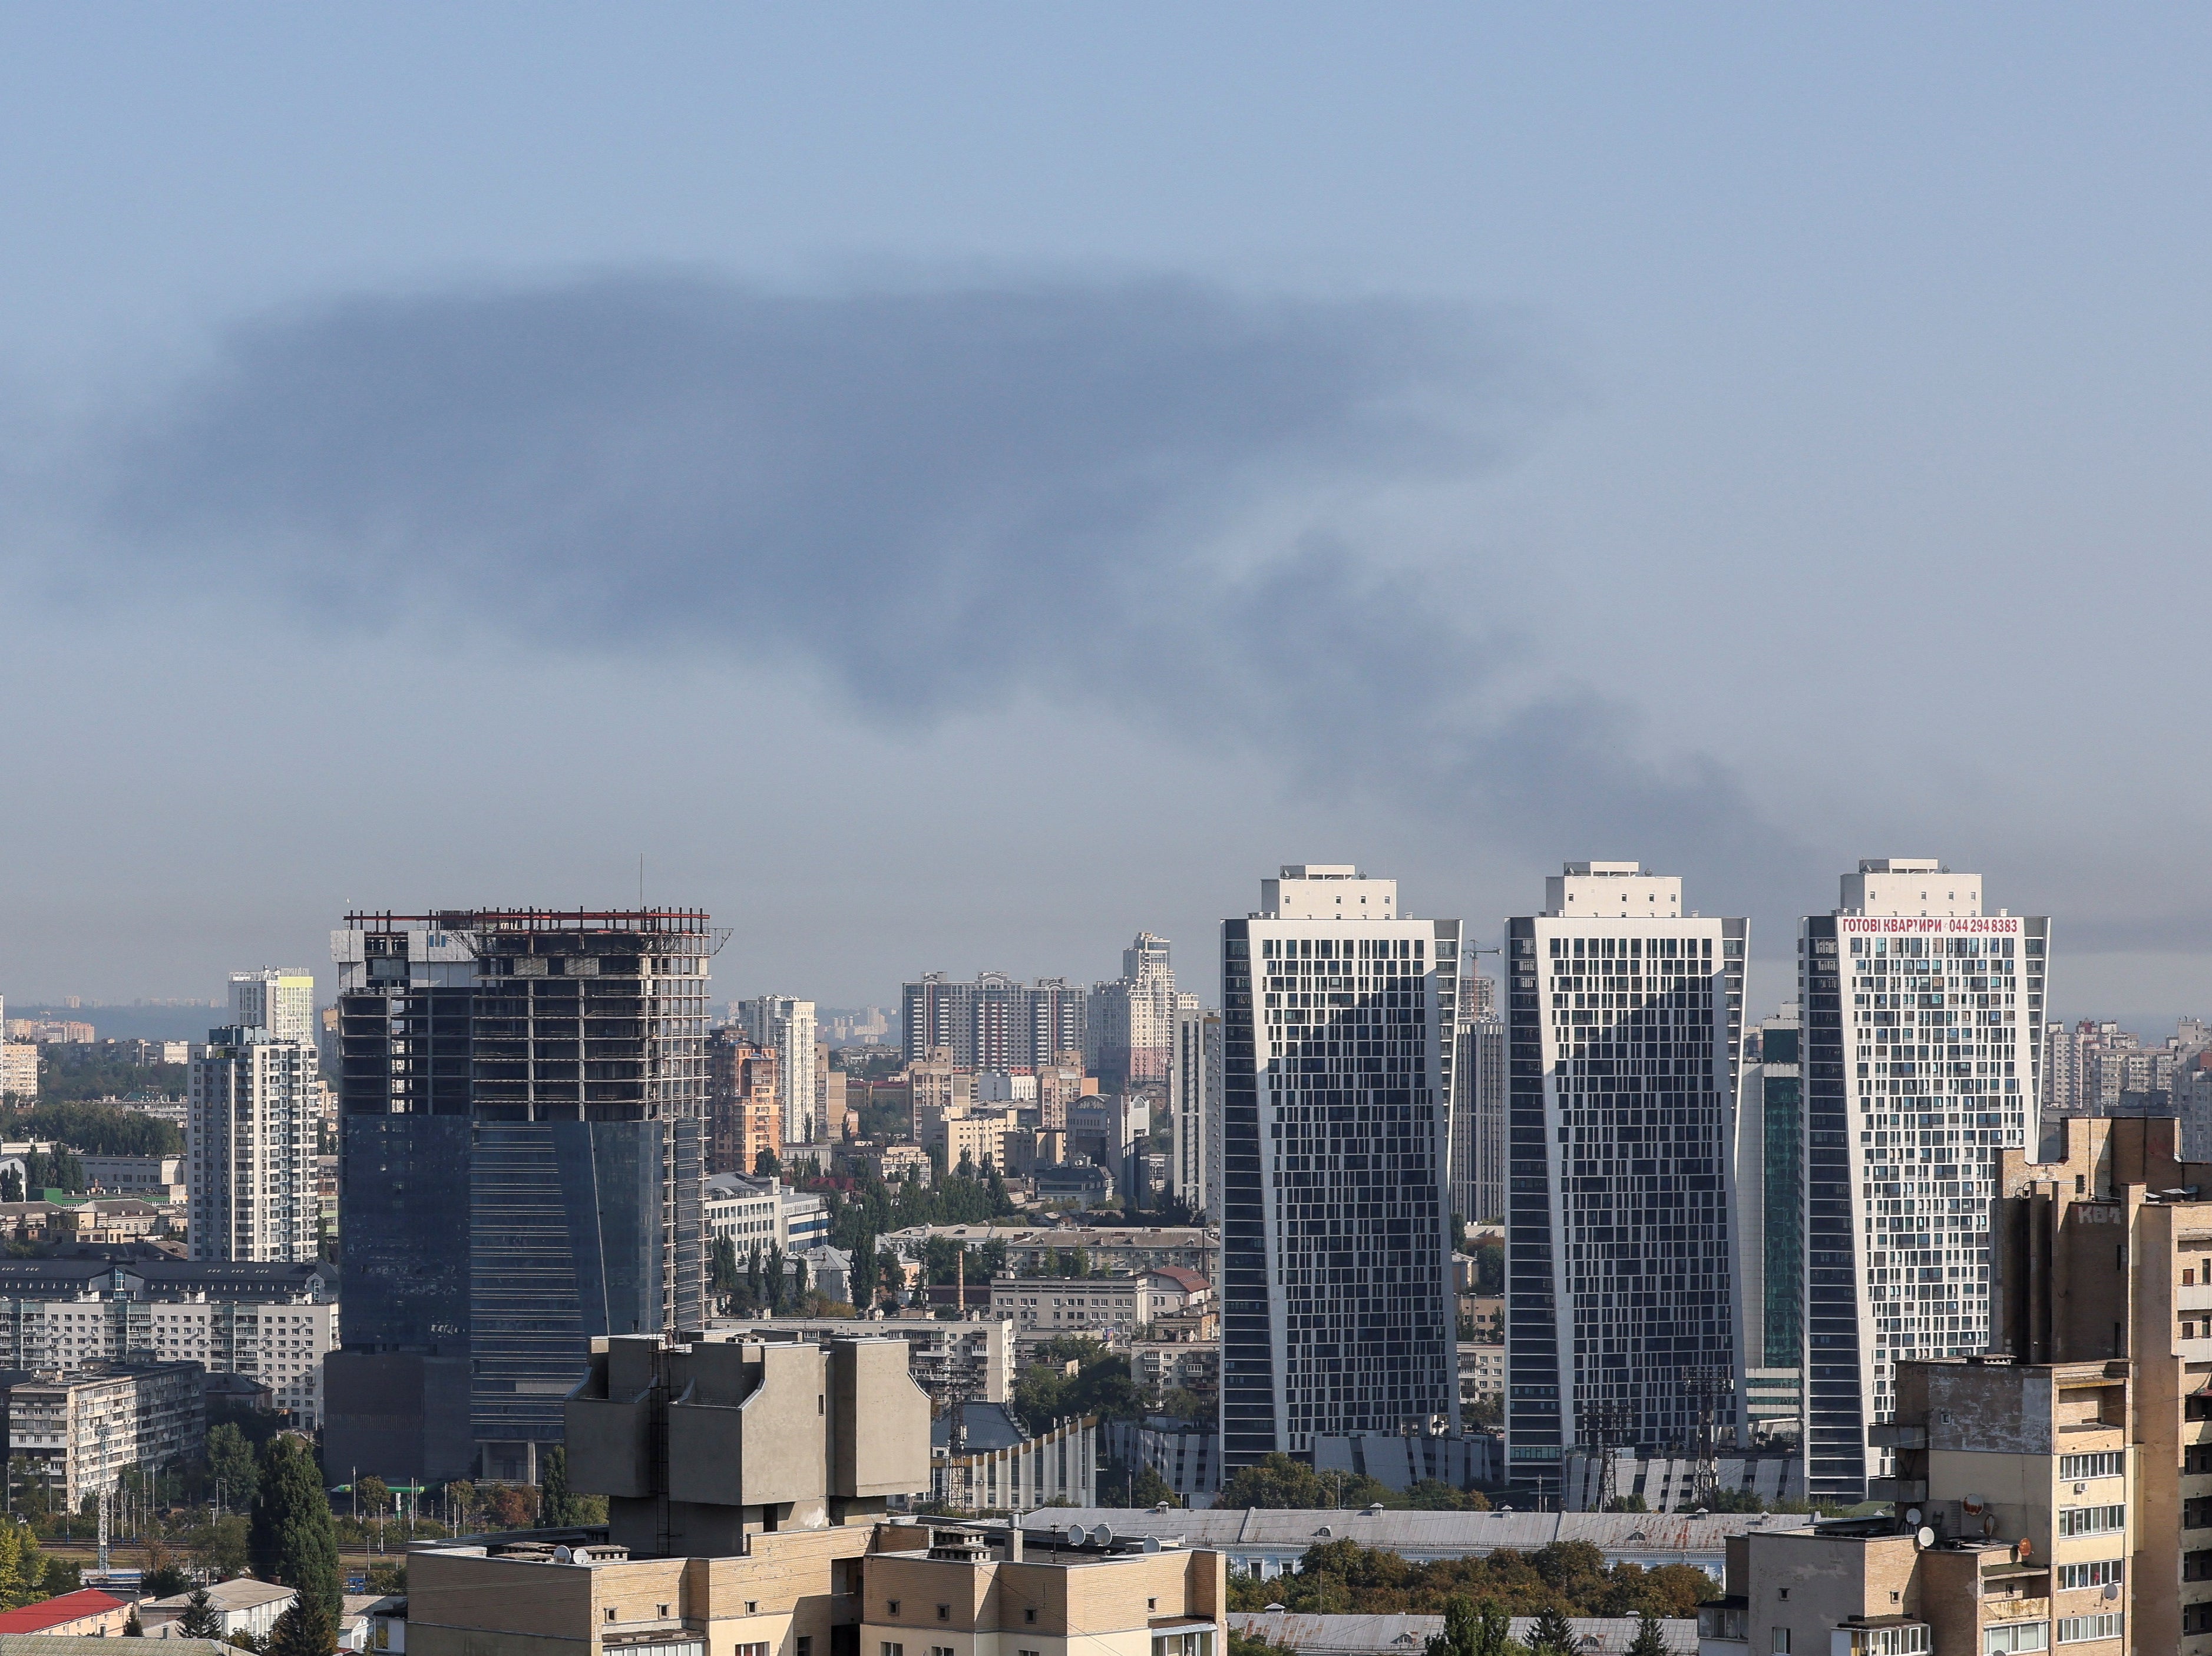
x: 522, y: 1094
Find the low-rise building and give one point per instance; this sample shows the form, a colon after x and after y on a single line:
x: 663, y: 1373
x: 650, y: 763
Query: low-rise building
x: 998, y: 1468
x: 974, y: 1357
x: 87, y: 1613
x: 1036, y: 1250
x: 1159, y: 1367
x: 1481, y: 1373
x: 742, y: 1208
x: 240, y: 1606
x: 804, y: 1221
x: 79, y: 1431
x: 155, y: 1177
x: 1186, y: 1453
x: 1110, y: 1309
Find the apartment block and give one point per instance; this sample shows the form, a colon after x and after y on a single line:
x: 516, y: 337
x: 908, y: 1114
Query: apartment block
x: 1194, y: 1113
x: 1769, y: 1184
x: 251, y: 1162
x: 1924, y: 1018
x: 1624, y: 1017
x: 993, y: 1022
x: 1337, y: 1056
x: 81, y: 1430
x: 744, y: 1102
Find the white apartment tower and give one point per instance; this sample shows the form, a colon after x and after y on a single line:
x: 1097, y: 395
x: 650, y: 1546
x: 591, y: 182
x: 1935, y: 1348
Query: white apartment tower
x: 1336, y: 1027
x: 253, y: 1113
x: 1923, y: 1027
x: 283, y: 1002
x: 1623, y: 1015
x: 1129, y: 1024
x: 785, y: 1026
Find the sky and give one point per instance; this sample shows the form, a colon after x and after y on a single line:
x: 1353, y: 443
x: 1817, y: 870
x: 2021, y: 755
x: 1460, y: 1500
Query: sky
x: 950, y: 486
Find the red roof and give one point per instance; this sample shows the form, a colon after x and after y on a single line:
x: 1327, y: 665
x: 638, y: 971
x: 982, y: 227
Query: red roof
x: 53, y: 1612
x: 1183, y: 1278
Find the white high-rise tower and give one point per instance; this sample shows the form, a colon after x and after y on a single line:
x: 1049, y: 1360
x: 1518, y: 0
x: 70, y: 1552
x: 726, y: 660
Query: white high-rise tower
x: 1622, y: 1017
x: 1922, y: 1023
x: 251, y: 1156
x: 1336, y: 1027
x: 787, y: 1027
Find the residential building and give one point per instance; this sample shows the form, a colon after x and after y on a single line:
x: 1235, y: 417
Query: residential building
x: 1045, y: 1249
x: 281, y: 1345
x: 993, y: 1021
x: 2102, y: 1265
x: 1335, y: 1239
x: 19, y: 1068
x: 1187, y: 1454
x: 252, y: 1141
x: 786, y: 1028
x: 1398, y: 1460
x: 1770, y: 1203
x: 1924, y: 1018
x: 829, y: 1095
x: 1481, y: 1375
x: 1479, y: 1114
x: 1129, y: 1029
x: 283, y: 1002
x: 82, y: 1430
x: 1116, y: 1309
x: 744, y: 1102
x: 522, y: 1096
x: 2012, y: 1528
x: 1623, y: 1013
x: 895, y: 1163
x: 936, y: 1087
x: 1194, y: 1113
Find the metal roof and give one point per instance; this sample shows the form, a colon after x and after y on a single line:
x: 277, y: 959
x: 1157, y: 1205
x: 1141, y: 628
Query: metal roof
x: 1406, y: 1635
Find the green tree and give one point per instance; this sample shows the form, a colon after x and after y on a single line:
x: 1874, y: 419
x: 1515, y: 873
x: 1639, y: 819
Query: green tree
x: 22, y: 1567
x: 133, y: 1626
x: 231, y: 1466
x: 1280, y: 1483
x: 555, y: 1507
x: 765, y: 1165
x: 221, y: 1545
x: 201, y: 1620
x: 293, y: 1542
x: 1650, y: 1638
x: 11, y: 1184
x: 167, y: 1582
x: 1472, y: 1629
x: 372, y: 1496
x: 1552, y: 1635
x: 1432, y: 1495
x: 307, y: 1627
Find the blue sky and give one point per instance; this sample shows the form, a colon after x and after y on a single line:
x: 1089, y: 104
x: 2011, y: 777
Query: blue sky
x: 1452, y: 439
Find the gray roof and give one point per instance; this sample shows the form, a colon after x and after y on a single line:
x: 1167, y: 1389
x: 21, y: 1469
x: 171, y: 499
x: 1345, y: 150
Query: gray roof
x: 1666, y: 1537
x: 239, y: 1593
x: 1406, y: 1635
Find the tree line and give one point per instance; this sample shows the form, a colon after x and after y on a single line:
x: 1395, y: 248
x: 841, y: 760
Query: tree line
x: 1567, y: 1578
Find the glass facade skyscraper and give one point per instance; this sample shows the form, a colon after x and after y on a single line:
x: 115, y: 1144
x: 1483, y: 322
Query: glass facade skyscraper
x: 521, y: 1095
x: 1336, y: 1063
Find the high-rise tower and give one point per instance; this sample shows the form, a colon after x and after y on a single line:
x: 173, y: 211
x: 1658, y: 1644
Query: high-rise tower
x: 1924, y: 1025
x: 521, y: 1095
x: 1622, y: 1015
x: 786, y: 1028
x: 1335, y: 1246
x: 250, y: 1169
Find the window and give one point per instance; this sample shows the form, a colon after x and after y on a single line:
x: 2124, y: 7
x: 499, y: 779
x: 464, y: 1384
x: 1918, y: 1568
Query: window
x: 752, y: 1607
x: 945, y: 1612
x: 611, y: 1612
x: 891, y: 1608
x: 1151, y: 1603
x: 2017, y: 1635
x: 1030, y: 1614
x: 741, y: 1650
x: 890, y: 1649
x: 2089, y: 1521
x: 2096, y: 1575
x: 2072, y: 1468
x: 805, y: 1644
x: 1781, y: 1645
x: 660, y: 1612
x: 940, y: 1650
x: 2077, y: 1630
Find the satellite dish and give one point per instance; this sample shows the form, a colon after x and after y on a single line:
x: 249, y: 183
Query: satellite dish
x: 1923, y: 1537
x: 562, y: 1555
x: 1912, y: 1516
x: 1102, y: 1537
x: 1972, y: 1503
x: 1077, y: 1535
x: 2025, y: 1549
x: 1151, y: 1544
